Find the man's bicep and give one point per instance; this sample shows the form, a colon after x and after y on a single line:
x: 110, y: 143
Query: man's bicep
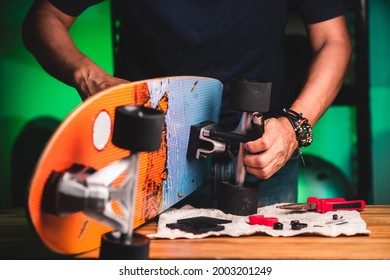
x: 334, y: 29
x: 45, y: 8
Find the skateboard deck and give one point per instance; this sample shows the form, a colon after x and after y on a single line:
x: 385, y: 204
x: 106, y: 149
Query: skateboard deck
x: 84, y: 138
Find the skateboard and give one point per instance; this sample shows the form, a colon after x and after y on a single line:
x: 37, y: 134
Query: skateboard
x: 83, y: 144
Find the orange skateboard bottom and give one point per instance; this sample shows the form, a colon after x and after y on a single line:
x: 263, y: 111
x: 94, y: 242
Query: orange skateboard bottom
x: 84, y: 138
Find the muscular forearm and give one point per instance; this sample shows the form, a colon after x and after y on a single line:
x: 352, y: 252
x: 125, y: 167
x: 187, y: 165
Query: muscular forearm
x: 325, y: 76
x: 332, y: 51
x: 45, y: 34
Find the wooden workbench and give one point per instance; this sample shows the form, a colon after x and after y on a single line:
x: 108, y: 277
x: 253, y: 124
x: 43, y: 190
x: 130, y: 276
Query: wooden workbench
x: 17, y: 241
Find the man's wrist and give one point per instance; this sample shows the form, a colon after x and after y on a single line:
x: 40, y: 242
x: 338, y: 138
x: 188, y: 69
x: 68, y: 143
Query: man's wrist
x: 300, y: 125
x: 88, y: 77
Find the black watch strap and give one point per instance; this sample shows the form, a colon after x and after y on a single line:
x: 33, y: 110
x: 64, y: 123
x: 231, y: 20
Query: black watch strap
x: 301, y: 125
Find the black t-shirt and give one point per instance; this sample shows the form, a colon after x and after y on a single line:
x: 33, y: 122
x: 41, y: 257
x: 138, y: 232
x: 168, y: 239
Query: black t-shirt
x: 215, y: 38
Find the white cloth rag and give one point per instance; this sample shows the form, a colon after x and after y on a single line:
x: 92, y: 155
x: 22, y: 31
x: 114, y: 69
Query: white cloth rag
x: 348, y: 223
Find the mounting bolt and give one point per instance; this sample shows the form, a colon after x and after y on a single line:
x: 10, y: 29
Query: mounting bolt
x: 298, y: 226
x: 278, y: 226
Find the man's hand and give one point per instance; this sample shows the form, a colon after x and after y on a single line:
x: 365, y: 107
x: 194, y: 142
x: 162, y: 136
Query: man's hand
x: 88, y: 86
x: 45, y: 34
x: 269, y: 153
x: 332, y: 50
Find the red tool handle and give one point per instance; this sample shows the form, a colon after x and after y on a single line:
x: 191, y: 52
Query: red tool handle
x: 312, y: 199
x: 325, y: 205
x: 261, y: 220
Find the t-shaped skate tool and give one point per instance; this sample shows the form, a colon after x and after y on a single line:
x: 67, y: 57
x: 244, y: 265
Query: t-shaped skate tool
x: 253, y: 99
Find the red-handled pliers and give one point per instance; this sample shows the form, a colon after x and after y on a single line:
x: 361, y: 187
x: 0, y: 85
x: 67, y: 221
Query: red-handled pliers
x: 323, y: 205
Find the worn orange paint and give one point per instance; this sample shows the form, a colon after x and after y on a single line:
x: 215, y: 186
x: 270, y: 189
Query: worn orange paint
x: 73, y: 143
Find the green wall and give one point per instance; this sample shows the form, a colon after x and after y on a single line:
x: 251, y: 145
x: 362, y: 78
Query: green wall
x: 342, y: 152
x: 379, y: 29
x: 28, y: 93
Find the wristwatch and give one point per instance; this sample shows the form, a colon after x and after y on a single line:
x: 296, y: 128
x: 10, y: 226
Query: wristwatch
x: 301, y: 125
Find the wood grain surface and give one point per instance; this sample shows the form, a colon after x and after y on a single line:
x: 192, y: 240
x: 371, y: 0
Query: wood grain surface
x: 17, y: 241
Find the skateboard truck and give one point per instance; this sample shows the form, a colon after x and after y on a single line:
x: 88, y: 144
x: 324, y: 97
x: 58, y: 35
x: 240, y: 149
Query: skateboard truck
x: 252, y: 98
x: 84, y: 189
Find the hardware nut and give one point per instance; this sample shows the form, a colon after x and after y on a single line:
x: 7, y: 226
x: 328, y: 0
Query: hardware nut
x: 298, y: 226
x: 278, y: 226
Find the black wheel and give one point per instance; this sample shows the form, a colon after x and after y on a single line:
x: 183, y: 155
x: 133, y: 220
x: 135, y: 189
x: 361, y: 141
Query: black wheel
x: 138, y: 128
x: 238, y: 200
x: 113, y: 249
x: 250, y: 95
